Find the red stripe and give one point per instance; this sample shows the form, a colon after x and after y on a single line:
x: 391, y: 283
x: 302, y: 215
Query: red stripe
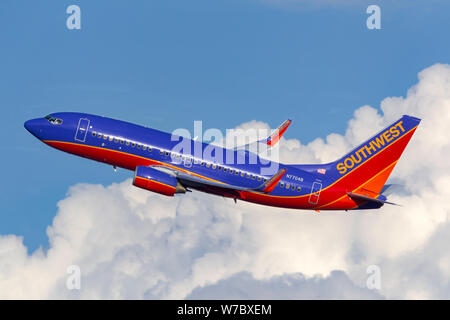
x: 352, y: 180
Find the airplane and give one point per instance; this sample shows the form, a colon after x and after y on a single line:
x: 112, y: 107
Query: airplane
x: 354, y: 182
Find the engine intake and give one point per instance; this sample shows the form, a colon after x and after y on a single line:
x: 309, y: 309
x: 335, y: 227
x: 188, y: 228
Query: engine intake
x: 157, y: 181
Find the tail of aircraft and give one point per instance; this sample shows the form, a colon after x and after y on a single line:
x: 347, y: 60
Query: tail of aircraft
x: 365, y: 170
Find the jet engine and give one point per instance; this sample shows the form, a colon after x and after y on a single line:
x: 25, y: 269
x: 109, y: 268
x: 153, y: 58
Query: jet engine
x: 157, y: 181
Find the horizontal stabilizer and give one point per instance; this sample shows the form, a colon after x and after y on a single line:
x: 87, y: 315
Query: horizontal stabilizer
x: 379, y: 200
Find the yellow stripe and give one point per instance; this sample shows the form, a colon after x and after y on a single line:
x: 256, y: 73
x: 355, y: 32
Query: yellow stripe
x: 330, y: 203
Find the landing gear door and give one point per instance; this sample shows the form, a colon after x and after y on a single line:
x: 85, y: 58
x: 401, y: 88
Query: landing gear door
x: 315, y: 192
x: 82, y: 129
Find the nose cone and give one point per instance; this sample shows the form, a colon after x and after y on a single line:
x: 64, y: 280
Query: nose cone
x: 34, y: 126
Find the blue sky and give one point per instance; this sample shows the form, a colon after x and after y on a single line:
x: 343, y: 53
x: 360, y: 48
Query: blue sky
x: 167, y: 63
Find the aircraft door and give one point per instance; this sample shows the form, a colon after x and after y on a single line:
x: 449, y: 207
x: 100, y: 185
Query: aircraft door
x: 315, y: 192
x: 82, y: 129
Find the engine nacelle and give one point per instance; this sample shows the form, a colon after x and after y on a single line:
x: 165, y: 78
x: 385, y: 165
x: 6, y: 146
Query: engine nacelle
x: 157, y: 181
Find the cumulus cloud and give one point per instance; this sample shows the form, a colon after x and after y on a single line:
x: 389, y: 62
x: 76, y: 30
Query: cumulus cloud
x: 287, y: 287
x: 130, y: 243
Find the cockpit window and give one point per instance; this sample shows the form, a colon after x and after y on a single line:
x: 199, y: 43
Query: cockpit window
x: 53, y: 120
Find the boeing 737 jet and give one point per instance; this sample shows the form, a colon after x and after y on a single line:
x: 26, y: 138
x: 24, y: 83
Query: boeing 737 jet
x: 355, y: 181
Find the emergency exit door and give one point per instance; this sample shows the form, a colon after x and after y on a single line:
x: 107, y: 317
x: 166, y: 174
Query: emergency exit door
x: 82, y: 129
x: 315, y: 192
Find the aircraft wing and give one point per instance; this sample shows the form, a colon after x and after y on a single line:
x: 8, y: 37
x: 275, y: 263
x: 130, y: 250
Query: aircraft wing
x: 194, y: 181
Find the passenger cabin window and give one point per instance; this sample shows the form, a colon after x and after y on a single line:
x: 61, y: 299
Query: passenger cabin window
x: 128, y: 143
x: 94, y: 134
x: 99, y: 135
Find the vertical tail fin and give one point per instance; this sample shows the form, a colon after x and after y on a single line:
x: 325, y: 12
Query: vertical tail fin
x: 366, y: 168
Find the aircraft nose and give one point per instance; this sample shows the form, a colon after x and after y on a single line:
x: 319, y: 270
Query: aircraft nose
x: 34, y: 126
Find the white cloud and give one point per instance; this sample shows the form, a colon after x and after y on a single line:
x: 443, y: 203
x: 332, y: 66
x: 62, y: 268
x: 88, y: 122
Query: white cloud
x: 289, y: 287
x: 130, y: 243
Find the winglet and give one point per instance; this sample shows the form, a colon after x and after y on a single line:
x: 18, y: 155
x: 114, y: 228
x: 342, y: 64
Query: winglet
x: 270, y: 184
x: 276, y: 135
